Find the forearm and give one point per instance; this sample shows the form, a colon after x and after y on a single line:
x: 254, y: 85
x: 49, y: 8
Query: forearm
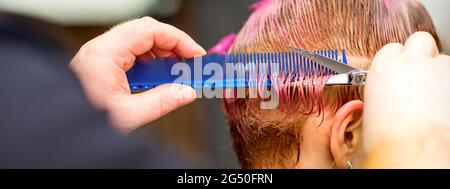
x: 426, y: 148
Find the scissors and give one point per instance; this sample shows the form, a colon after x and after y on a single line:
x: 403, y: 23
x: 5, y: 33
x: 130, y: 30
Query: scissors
x: 346, y: 75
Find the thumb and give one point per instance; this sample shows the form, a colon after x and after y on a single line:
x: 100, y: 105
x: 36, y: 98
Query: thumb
x: 136, y: 110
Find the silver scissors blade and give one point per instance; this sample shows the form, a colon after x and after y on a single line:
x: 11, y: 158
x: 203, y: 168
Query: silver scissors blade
x: 331, y: 64
x: 346, y: 75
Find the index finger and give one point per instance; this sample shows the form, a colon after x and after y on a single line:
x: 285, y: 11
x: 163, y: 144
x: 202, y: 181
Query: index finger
x: 139, y: 36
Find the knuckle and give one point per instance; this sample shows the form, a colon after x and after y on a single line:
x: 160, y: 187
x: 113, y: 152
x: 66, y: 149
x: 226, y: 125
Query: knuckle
x: 388, y: 49
x: 124, y: 60
x: 165, y: 105
x: 391, y: 46
x: 89, y: 49
x: 169, y: 102
x: 141, y: 24
x: 148, y: 20
x: 421, y: 35
x: 145, y: 25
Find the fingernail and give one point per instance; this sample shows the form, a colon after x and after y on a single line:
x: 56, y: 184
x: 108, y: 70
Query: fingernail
x: 201, y: 50
x: 186, y: 92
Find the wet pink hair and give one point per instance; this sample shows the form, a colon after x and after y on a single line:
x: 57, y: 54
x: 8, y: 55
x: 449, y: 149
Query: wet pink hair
x: 360, y: 27
x: 224, y: 44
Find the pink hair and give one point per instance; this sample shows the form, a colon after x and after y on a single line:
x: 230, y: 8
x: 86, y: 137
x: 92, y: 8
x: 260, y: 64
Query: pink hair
x: 361, y: 27
x: 260, y: 4
x: 224, y: 44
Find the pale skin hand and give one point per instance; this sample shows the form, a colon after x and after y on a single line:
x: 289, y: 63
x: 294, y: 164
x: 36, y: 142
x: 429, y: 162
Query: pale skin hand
x: 101, y: 66
x: 407, y: 106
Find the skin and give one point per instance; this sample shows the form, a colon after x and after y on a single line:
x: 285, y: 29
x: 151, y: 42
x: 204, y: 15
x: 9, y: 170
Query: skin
x: 101, y: 65
x: 406, y: 122
x: 339, y: 133
x: 417, y: 123
x: 359, y: 27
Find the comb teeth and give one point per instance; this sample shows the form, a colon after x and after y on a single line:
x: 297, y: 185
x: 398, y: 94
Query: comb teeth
x: 283, y: 62
x: 248, y: 68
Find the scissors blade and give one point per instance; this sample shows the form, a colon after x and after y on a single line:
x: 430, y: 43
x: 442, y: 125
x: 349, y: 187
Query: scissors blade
x: 339, y: 79
x: 331, y: 64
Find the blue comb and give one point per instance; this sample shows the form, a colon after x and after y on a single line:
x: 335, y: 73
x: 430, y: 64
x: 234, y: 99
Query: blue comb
x: 223, y: 70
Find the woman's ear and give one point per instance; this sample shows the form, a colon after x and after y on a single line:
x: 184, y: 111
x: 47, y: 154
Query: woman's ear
x: 346, y: 132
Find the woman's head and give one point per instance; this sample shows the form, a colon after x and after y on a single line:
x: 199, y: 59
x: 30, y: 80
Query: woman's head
x: 314, y: 126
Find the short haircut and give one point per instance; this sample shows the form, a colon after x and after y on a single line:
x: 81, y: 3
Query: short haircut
x: 361, y: 27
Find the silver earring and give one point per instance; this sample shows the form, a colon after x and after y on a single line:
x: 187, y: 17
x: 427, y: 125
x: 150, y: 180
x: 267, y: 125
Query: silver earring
x: 349, y: 165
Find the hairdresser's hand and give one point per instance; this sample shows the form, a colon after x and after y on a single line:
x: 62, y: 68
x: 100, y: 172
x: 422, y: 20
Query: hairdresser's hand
x: 102, y: 62
x: 407, y: 94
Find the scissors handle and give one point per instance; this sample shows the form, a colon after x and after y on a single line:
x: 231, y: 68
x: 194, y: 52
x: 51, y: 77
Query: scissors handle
x: 359, y: 77
x: 353, y: 78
